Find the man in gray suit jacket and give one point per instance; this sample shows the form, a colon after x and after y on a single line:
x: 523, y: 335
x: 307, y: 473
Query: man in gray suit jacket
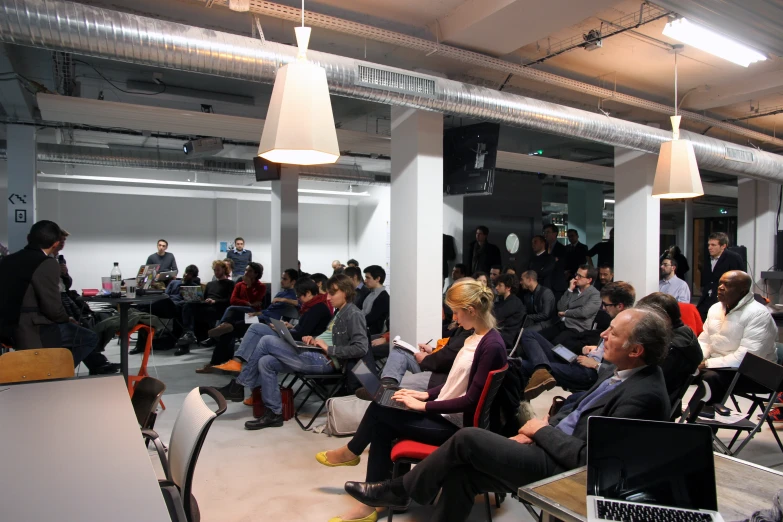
x: 577, y: 308
x: 476, y: 460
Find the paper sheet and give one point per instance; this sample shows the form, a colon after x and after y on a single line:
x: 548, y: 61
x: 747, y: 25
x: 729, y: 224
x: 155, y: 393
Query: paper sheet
x: 251, y: 319
x: 399, y: 343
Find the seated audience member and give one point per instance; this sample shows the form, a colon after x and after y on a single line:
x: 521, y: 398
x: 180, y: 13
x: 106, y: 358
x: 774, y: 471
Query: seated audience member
x: 344, y: 339
x: 494, y: 272
x: 539, y: 303
x: 376, y: 304
x: 605, y: 276
x: 198, y: 316
x: 578, y: 306
x: 671, y: 284
x: 230, y: 267
x: 737, y: 324
x: 510, y: 269
x: 682, y: 265
x: 240, y: 257
x: 190, y: 278
x: 474, y: 460
x: 458, y: 272
x: 337, y: 267
x: 352, y: 262
x: 446, y: 408
x: 684, y: 351
x: 541, y: 263
x: 481, y: 277
x: 321, y: 280
x: 543, y: 368
x: 285, y: 298
x: 302, y: 274
x: 362, y: 291
x: 165, y: 259
x: 313, y: 320
x: 32, y: 314
x: 509, y: 310
x: 247, y: 298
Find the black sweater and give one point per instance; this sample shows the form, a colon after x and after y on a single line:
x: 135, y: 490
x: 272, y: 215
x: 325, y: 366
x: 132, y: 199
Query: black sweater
x: 220, y: 291
x: 378, y: 313
x: 510, y: 313
x: 313, y: 323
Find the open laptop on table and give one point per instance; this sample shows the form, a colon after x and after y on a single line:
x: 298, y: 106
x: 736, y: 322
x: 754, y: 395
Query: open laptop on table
x: 380, y: 395
x: 284, y: 334
x: 647, y: 470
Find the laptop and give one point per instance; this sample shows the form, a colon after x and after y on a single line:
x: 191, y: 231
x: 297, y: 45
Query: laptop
x: 648, y: 470
x: 146, y: 276
x: 380, y: 395
x: 284, y: 334
x: 191, y: 294
x: 165, y: 277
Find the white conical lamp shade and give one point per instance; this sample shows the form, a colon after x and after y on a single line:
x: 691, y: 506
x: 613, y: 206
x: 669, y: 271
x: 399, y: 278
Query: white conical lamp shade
x: 299, y: 127
x: 677, y: 174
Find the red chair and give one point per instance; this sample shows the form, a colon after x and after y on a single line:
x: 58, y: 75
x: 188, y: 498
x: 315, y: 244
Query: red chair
x: 407, y: 452
x: 133, y: 379
x: 691, y: 317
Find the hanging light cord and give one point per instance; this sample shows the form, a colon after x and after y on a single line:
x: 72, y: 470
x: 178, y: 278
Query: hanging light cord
x: 675, y: 79
x: 675, y: 56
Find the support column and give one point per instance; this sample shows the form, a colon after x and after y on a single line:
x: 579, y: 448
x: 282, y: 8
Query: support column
x: 585, y: 211
x: 757, y: 207
x: 22, y: 184
x: 637, y: 219
x: 285, y: 225
x: 687, y: 242
x: 416, y: 223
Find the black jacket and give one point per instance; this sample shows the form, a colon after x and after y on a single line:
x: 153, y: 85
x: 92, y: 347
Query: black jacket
x: 488, y: 258
x: 361, y: 294
x: 440, y: 362
x: 576, y: 256
x: 558, y: 280
x: 710, y: 278
x: 605, y: 252
x: 544, y: 266
x: 510, y: 313
x: 541, y: 307
x: 312, y: 323
x: 643, y: 396
x: 575, y: 341
x: 684, y: 357
x: 378, y: 313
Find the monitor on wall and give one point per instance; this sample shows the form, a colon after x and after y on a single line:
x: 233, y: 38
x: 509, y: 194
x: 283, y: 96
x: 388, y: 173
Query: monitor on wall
x: 469, y: 157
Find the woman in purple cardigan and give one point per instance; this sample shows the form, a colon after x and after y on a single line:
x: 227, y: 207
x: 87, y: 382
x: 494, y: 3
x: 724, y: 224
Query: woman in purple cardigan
x: 445, y: 408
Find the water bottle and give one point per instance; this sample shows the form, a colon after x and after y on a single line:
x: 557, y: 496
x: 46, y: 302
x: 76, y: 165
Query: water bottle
x: 116, y: 279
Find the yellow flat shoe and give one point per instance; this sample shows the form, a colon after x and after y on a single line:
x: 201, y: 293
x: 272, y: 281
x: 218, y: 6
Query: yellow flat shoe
x: 372, y: 517
x: 321, y: 458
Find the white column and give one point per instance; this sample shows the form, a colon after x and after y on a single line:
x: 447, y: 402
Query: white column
x: 285, y: 225
x: 687, y: 242
x: 757, y: 207
x: 637, y: 221
x: 416, y: 223
x: 22, y: 184
x: 585, y: 211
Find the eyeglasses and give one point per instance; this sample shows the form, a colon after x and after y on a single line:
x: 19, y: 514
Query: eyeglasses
x: 607, y: 305
x: 665, y: 265
x: 579, y: 276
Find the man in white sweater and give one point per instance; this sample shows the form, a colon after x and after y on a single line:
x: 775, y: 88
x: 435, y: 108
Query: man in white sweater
x: 737, y: 324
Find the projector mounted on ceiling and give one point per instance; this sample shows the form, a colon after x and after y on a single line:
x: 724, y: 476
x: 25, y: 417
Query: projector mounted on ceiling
x: 202, y: 147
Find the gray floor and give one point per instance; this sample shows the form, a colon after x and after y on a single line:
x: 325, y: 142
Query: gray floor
x: 272, y: 474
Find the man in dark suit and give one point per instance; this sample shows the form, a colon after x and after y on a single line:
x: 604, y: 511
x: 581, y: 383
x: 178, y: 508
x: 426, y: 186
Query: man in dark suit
x: 718, y: 263
x: 476, y: 460
x: 541, y: 262
x: 558, y: 252
x: 576, y: 254
x: 509, y: 310
x: 539, y: 303
x: 482, y: 255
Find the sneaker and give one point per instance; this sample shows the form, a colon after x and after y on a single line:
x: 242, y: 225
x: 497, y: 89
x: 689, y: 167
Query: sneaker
x: 233, y: 391
x: 268, y: 420
x: 539, y: 382
x: 221, y: 330
x: 187, y: 339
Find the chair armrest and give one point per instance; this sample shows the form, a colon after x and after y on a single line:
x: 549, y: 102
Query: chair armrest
x: 151, y: 435
x: 217, y: 396
x: 173, y: 499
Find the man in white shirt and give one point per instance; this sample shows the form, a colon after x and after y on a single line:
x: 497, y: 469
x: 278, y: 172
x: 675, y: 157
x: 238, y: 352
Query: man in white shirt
x: 671, y: 284
x: 737, y: 324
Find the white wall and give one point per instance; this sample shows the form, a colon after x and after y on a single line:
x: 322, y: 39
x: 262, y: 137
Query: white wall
x: 369, y: 221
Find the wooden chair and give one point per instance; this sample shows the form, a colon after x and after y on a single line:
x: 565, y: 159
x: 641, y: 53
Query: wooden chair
x: 37, y: 364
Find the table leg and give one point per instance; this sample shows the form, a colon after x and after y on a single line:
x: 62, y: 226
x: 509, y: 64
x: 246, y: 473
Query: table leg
x: 124, y: 339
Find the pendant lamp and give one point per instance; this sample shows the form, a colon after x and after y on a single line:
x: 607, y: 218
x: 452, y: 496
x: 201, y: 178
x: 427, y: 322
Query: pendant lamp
x: 299, y: 127
x: 677, y: 174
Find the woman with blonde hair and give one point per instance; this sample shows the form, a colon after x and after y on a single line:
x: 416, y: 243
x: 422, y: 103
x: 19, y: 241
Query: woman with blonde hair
x: 437, y: 413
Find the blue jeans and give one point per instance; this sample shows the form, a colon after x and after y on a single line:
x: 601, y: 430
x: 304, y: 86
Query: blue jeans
x: 250, y: 352
x: 275, y: 356
x: 236, y: 314
x: 80, y: 341
x: 398, y: 362
x: 537, y: 353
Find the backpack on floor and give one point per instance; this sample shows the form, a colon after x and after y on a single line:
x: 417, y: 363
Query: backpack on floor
x: 343, y: 415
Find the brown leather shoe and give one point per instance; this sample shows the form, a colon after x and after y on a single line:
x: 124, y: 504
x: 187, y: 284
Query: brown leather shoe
x: 220, y: 330
x: 207, y: 368
x: 539, y: 382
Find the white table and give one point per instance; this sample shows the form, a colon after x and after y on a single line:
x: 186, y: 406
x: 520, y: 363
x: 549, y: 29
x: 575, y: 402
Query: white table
x: 72, y: 451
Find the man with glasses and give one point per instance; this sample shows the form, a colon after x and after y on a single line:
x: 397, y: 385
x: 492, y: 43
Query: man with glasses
x: 543, y: 369
x: 671, y: 284
x: 578, y: 306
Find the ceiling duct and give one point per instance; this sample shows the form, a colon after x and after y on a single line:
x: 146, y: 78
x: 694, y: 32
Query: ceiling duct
x: 102, y: 33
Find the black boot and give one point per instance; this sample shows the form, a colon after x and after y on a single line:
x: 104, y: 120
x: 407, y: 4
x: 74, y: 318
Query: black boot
x: 233, y: 391
x: 267, y: 420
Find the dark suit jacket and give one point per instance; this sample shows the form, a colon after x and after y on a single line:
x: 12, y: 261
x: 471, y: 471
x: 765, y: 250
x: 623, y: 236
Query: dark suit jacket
x: 488, y: 258
x: 544, y: 266
x: 710, y: 278
x: 42, y: 298
x: 361, y: 294
x: 541, y: 308
x: 576, y: 255
x: 642, y: 396
x: 559, y: 254
x: 510, y: 313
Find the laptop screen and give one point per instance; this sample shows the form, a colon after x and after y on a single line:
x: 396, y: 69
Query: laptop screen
x: 370, y: 382
x: 651, y: 462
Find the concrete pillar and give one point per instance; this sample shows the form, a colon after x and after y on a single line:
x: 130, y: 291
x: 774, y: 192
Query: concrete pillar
x: 687, y: 242
x: 416, y: 223
x: 22, y: 184
x: 285, y: 225
x: 585, y: 211
x: 757, y: 207
x: 637, y: 219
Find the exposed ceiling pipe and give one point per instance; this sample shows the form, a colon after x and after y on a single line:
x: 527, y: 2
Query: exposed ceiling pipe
x: 429, y: 47
x: 102, y: 33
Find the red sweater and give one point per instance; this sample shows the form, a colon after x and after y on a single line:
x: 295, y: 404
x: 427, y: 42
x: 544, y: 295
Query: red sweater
x: 243, y: 296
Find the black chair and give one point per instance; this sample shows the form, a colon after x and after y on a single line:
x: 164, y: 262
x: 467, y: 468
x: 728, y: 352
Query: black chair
x: 145, y: 400
x: 187, y: 438
x: 323, y: 386
x: 676, y: 402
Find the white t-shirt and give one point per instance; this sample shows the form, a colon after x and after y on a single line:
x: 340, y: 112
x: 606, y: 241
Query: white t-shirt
x: 459, y: 377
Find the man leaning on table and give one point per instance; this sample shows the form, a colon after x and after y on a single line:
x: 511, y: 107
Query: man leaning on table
x: 475, y: 460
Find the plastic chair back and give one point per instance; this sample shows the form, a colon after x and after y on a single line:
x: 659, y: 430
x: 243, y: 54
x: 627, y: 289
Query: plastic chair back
x: 761, y: 371
x: 494, y: 381
x: 37, y: 364
x: 145, y: 399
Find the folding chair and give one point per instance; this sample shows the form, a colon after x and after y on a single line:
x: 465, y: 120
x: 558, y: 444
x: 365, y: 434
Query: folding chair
x: 763, y: 373
x: 676, y: 405
x: 516, y: 344
x: 324, y: 386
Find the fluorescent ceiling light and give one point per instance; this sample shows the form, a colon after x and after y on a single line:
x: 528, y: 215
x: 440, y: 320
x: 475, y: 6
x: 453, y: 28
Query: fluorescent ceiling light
x: 711, y: 42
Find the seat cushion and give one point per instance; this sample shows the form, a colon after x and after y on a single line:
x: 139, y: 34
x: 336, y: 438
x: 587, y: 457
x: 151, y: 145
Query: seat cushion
x: 408, y: 449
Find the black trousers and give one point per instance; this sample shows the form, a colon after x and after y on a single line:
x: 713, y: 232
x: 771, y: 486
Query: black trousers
x: 224, y: 350
x: 719, y: 382
x: 553, y: 331
x: 381, y: 427
x: 475, y: 461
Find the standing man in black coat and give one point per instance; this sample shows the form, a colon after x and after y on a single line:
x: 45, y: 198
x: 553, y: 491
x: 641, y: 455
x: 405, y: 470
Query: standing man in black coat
x: 718, y: 263
x: 559, y: 253
x: 482, y: 255
x: 541, y: 262
x: 576, y: 254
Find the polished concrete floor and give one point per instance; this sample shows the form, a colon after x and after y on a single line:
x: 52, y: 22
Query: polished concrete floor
x: 266, y: 475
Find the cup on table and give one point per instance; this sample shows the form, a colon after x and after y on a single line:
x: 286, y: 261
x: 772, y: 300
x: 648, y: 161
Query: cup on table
x: 106, y: 284
x: 130, y: 288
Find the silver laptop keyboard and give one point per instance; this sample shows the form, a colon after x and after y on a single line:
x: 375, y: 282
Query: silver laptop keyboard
x: 623, y: 512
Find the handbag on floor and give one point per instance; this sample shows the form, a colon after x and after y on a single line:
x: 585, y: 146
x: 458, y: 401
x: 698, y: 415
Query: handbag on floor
x: 287, y: 394
x: 343, y: 415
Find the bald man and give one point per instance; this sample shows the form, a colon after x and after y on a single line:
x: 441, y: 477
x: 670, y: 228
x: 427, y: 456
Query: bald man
x: 737, y: 324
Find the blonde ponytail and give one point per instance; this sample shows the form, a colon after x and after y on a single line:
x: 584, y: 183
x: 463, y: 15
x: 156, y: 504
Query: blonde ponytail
x: 469, y: 292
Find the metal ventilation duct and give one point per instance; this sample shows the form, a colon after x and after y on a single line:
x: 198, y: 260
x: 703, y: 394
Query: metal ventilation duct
x: 102, y: 33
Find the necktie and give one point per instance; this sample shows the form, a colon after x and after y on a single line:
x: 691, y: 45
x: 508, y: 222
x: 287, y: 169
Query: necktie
x: 568, y: 424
